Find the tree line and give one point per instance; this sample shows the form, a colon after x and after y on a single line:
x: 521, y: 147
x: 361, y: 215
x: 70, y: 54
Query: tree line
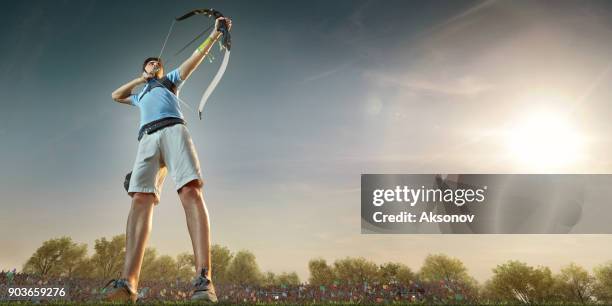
x: 62, y: 257
x: 512, y: 281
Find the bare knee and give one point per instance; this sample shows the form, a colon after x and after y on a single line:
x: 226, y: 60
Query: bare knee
x: 191, y: 190
x: 144, y: 200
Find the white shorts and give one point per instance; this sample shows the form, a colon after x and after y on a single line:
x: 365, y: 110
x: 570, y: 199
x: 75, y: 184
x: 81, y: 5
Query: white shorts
x: 170, y: 149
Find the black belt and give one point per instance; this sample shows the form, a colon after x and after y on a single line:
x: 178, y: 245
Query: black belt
x: 157, y: 125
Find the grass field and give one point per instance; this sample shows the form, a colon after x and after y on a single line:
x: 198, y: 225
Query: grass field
x: 259, y: 304
x: 221, y: 303
x: 194, y: 303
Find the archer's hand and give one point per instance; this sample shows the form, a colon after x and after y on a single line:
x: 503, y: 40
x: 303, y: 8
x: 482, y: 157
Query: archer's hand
x: 227, y: 20
x: 147, y: 76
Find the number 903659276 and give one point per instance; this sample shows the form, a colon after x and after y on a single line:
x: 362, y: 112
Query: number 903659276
x: 34, y: 293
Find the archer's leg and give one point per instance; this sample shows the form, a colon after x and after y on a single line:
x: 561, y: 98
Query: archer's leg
x: 197, y: 223
x: 137, y: 235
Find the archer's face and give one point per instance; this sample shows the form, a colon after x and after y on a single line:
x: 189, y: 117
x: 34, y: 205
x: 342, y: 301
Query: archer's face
x: 155, y: 68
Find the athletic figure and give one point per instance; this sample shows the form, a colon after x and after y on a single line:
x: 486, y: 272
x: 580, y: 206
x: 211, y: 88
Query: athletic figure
x: 165, y: 145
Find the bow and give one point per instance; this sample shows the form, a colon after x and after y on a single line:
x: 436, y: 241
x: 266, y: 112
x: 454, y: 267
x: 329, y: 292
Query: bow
x: 226, y: 43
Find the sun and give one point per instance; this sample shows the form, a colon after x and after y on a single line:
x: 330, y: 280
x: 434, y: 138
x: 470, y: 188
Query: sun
x: 545, y: 140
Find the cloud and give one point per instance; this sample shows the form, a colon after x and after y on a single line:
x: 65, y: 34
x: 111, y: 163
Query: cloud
x: 460, y: 85
x: 326, y: 73
x: 462, y: 15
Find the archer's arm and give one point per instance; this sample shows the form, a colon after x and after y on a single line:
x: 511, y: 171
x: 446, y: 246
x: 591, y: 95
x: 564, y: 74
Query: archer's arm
x: 122, y: 94
x: 189, y: 65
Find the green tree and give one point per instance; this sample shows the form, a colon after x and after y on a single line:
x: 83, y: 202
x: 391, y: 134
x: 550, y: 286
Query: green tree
x: 574, y: 284
x: 517, y: 282
x: 268, y: 279
x: 56, y: 257
x: 221, y: 258
x: 395, y: 272
x: 603, y: 283
x: 451, y: 271
x: 544, y: 284
x: 243, y: 269
x: 355, y: 270
x: 486, y: 293
x: 320, y: 272
x: 164, y: 269
x: 109, y: 256
x: 283, y: 279
x: 443, y: 268
x: 74, y: 257
x: 185, y: 266
x: 148, y: 268
x: 287, y: 279
x: 85, y: 269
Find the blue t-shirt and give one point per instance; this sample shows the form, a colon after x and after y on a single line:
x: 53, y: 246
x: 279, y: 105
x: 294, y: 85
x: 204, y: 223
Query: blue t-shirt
x: 158, y: 102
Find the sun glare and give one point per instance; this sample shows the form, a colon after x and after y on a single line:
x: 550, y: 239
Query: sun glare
x: 545, y: 140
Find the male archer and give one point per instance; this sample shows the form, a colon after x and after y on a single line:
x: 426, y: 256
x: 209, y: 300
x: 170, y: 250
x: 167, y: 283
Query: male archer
x: 165, y: 145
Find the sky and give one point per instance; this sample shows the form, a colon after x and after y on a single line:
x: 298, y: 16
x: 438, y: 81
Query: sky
x: 315, y: 94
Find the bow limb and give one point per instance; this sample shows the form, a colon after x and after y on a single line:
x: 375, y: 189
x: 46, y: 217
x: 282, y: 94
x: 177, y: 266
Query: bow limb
x: 193, y: 13
x: 226, y: 42
x: 208, y: 12
x: 214, y: 83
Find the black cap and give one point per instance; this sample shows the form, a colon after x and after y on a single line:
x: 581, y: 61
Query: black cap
x: 151, y: 59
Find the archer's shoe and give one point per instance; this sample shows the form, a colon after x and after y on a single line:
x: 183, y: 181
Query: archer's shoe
x: 203, y: 289
x: 119, y: 291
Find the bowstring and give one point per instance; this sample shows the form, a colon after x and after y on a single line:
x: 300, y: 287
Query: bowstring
x: 193, y: 40
x: 161, y: 52
x: 167, y: 37
x: 176, y: 95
